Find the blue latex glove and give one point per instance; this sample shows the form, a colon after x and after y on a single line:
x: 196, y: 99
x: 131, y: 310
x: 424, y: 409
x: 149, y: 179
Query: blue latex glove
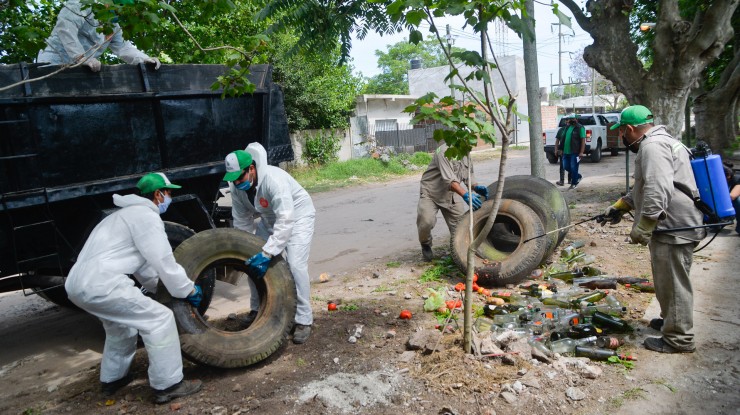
x: 195, y: 298
x: 257, y: 265
x: 476, y: 200
x: 481, y: 190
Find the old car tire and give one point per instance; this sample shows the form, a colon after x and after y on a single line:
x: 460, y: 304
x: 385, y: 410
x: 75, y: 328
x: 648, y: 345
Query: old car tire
x: 515, y: 186
x: 208, y: 345
x: 552, y: 158
x: 499, y: 262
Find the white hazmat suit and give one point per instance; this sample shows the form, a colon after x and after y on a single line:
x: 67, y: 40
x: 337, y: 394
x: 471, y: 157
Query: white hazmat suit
x: 75, y: 36
x: 287, y: 223
x: 132, y: 240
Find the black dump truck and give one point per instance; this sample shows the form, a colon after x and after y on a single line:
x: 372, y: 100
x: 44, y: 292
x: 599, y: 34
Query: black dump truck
x: 70, y: 140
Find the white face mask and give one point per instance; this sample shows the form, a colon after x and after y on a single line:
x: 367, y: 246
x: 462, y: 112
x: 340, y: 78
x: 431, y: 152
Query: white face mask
x: 165, y: 204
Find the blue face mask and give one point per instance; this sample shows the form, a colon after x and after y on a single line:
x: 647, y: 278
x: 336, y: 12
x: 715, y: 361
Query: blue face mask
x: 164, y: 205
x: 245, y: 185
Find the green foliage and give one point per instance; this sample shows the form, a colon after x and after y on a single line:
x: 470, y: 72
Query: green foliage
x: 348, y: 307
x: 435, y: 299
x: 321, y: 148
x: 444, y: 267
x: 342, y: 173
x: 24, y: 25
x: 393, y: 264
x: 628, y: 364
x: 395, y: 63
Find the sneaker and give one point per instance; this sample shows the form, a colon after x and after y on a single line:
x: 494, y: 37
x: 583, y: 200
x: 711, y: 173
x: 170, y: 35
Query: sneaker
x: 301, y: 333
x: 110, y: 388
x: 559, y: 183
x: 656, y: 324
x: 178, y: 390
x: 426, y: 252
x: 248, y: 320
x: 657, y: 344
x: 573, y: 186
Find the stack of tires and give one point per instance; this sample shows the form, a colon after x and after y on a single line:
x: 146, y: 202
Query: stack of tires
x: 530, y: 207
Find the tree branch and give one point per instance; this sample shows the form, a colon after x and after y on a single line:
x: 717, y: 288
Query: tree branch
x: 583, y: 21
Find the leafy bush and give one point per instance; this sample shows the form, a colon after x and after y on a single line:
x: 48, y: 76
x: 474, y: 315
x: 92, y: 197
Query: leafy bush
x: 321, y: 148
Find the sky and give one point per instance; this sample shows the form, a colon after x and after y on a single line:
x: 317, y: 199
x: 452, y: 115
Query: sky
x: 505, y: 42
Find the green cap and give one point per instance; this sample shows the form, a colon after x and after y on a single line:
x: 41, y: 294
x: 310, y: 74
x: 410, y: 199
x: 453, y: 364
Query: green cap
x: 236, y: 161
x: 634, y: 115
x: 155, y: 181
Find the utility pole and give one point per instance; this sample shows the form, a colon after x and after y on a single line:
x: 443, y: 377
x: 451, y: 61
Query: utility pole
x: 593, y: 90
x: 532, y: 78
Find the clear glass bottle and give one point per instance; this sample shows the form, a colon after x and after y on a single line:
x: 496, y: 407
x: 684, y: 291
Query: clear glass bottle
x: 568, y: 345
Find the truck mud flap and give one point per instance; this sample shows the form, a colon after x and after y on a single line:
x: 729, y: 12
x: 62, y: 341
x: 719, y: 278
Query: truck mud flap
x: 502, y: 258
x: 213, y: 341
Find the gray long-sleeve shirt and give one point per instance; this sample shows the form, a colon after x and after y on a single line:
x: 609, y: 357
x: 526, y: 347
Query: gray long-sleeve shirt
x: 661, y: 161
x: 440, y: 174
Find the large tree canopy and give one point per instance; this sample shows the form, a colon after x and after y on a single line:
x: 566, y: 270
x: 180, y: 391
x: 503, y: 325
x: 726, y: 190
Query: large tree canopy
x: 681, y: 51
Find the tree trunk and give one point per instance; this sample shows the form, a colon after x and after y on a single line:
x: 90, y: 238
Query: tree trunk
x: 716, y: 111
x: 681, y: 51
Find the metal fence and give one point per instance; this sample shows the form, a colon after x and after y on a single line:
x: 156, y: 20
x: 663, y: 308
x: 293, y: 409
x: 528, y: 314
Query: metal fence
x: 407, y: 138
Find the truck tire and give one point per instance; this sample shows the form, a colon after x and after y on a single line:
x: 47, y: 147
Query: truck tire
x: 555, y: 204
x: 615, y: 152
x: 202, y: 342
x: 498, y: 261
x: 552, y: 158
x: 596, y: 153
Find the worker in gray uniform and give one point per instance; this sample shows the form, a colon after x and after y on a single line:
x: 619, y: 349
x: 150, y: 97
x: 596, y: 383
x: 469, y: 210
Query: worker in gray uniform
x: 444, y: 188
x: 661, y: 166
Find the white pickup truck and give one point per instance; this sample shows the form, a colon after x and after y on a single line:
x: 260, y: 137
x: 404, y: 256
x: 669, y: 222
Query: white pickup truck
x: 597, y: 129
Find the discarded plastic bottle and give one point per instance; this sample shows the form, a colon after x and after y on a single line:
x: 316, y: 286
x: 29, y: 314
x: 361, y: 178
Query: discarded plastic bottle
x: 587, y: 259
x: 588, y: 298
x: 600, y: 354
x: 605, y: 321
x: 608, y: 342
x: 615, y: 304
x: 568, y: 345
x: 570, y: 249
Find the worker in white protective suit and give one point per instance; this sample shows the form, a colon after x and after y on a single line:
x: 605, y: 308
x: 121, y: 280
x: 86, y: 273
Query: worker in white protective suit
x: 132, y: 241
x: 75, y: 39
x: 287, y: 223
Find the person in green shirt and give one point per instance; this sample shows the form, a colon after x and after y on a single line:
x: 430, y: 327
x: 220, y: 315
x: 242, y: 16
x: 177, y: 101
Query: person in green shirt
x: 573, y: 147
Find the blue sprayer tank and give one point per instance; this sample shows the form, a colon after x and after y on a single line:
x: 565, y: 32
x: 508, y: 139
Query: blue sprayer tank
x: 711, y: 181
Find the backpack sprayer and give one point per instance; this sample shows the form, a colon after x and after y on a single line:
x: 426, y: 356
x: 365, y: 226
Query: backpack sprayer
x: 713, y: 200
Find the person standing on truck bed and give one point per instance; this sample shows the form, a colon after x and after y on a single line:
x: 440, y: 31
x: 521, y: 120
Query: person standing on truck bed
x: 75, y: 38
x: 132, y: 241
x: 287, y: 223
x: 662, y: 162
x: 441, y: 189
x: 574, y: 147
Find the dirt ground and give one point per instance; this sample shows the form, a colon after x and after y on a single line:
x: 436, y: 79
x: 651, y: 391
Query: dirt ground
x: 379, y: 375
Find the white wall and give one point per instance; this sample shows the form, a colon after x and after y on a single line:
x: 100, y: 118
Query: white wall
x: 424, y: 81
x: 298, y: 141
x: 383, y: 107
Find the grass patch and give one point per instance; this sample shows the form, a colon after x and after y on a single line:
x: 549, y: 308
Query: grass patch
x: 441, y: 268
x: 300, y: 362
x: 518, y: 148
x: 634, y: 393
x: 357, y: 171
x: 348, y: 307
x: 393, y: 264
x: 665, y: 383
x: 382, y: 289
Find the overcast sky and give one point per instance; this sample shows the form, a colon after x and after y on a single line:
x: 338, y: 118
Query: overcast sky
x: 505, y: 42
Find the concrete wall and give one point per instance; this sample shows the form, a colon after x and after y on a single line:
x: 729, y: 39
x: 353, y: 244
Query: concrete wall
x: 423, y: 81
x: 298, y: 141
x: 384, y: 107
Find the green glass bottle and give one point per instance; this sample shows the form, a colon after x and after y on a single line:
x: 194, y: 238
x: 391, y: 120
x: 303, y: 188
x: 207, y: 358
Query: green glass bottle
x: 588, y: 298
x: 611, y: 323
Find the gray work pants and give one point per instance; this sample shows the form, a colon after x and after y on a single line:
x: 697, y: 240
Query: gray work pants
x: 671, y: 265
x: 426, y: 216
